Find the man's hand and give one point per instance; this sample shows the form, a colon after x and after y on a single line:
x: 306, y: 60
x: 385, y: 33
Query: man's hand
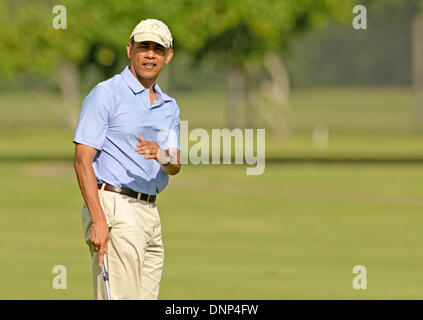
x: 99, y: 236
x: 152, y: 150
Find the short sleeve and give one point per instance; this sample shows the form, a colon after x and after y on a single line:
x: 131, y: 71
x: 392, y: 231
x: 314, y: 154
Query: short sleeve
x: 173, y: 140
x: 94, y: 118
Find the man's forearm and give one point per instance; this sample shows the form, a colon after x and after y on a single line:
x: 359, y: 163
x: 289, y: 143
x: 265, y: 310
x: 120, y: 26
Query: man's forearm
x: 171, y: 169
x: 88, y: 185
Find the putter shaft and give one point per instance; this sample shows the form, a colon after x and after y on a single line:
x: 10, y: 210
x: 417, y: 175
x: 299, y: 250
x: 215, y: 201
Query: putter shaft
x: 106, y: 280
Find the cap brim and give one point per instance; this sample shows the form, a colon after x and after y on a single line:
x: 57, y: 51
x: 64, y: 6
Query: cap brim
x: 140, y: 37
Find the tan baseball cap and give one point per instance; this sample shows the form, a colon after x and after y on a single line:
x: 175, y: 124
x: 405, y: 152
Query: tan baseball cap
x: 153, y: 30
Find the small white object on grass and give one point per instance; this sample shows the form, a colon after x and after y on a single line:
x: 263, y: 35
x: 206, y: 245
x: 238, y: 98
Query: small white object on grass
x: 320, y: 136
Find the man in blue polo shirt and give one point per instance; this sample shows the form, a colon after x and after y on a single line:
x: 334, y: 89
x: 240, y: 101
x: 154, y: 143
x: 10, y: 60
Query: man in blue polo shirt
x: 126, y: 146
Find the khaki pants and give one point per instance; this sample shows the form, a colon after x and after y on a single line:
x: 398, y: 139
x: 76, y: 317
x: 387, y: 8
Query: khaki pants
x: 135, y: 249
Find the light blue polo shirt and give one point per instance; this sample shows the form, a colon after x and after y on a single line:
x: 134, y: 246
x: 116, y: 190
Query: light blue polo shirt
x: 113, y: 115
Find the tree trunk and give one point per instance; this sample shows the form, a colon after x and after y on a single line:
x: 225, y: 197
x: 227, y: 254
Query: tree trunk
x: 249, y: 100
x: 68, y: 79
x: 272, y: 99
x: 235, y: 97
x: 251, y: 86
x: 417, y: 70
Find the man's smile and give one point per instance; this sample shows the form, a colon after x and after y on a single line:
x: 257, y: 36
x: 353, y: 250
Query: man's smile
x: 149, y: 66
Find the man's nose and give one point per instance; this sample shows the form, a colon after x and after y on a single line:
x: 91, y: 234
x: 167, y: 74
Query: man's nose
x: 150, y: 53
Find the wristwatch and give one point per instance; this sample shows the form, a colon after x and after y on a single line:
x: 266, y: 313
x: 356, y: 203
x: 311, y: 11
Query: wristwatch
x: 170, y: 158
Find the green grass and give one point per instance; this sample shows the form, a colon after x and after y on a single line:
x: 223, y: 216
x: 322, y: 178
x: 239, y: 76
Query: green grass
x: 295, y: 232
x: 361, y: 110
x: 362, y: 122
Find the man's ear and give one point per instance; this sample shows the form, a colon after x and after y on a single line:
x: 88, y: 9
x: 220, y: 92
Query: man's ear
x: 128, y: 49
x: 169, y: 56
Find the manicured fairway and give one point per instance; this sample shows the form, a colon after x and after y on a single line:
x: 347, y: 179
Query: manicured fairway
x: 294, y: 232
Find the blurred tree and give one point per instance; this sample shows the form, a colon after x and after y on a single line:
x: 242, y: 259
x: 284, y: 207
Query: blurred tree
x: 246, y: 35
x: 339, y: 55
x: 96, y: 33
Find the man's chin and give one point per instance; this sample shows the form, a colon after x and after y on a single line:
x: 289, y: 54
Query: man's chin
x: 147, y: 75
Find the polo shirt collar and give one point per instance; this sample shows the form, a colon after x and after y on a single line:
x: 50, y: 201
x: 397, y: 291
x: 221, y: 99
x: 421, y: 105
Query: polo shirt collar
x: 159, y: 93
x: 131, y: 81
x: 137, y: 87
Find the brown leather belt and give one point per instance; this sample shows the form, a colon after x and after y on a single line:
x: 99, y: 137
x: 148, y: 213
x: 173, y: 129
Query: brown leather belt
x: 128, y: 192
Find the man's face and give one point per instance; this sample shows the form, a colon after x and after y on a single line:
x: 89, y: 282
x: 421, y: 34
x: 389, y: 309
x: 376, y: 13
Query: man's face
x: 148, y: 58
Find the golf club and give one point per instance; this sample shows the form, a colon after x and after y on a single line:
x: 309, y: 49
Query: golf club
x: 106, y: 280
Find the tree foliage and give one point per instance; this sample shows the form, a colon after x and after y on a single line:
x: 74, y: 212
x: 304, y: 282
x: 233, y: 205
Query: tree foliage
x: 97, y: 31
x: 243, y: 31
